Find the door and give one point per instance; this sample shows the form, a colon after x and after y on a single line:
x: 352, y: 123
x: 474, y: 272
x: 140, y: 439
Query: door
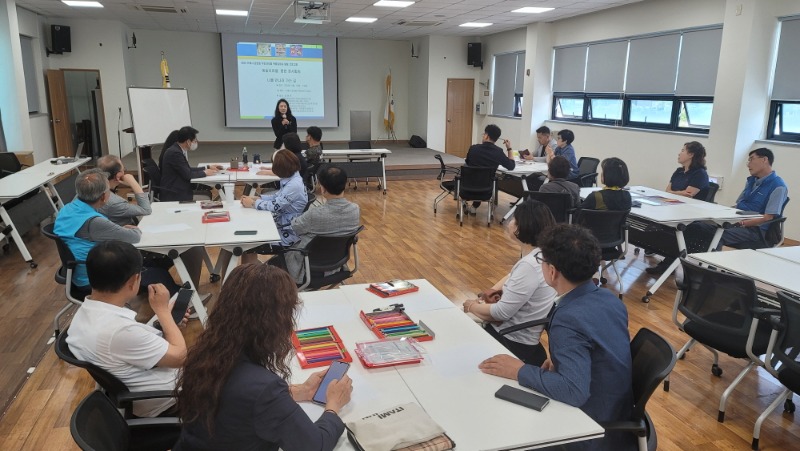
x: 59, y: 113
x: 458, y: 131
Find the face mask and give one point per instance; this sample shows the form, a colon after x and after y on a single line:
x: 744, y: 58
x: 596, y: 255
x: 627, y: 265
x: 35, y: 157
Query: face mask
x: 193, y: 146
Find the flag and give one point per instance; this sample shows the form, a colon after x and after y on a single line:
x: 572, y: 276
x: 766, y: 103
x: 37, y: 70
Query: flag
x: 164, y: 72
x: 388, y: 114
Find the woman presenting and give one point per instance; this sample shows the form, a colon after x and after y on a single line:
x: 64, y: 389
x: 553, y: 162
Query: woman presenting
x: 283, y: 122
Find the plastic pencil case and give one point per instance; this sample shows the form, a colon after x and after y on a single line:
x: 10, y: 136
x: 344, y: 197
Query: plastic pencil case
x: 388, y: 352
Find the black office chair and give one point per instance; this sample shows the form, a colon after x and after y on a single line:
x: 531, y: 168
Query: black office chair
x: 9, y: 164
x: 652, y: 360
x: 587, y: 172
x: 781, y: 357
x: 447, y: 184
x: 311, y: 199
x: 560, y: 204
x: 610, y: 228
x: 116, y: 391
x: 721, y: 313
x: 328, y: 254
x: 710, y: 194
x: 772, y: 237
x: 153, y: 179
x: 63, y: 275
x: 96, y: 425
x: 476, y: 184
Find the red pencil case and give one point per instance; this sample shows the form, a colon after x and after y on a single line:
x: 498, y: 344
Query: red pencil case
x: 216, y: 216
x: 319, y: 346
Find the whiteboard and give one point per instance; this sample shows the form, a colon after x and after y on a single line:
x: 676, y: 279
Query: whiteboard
x: 156, y: 112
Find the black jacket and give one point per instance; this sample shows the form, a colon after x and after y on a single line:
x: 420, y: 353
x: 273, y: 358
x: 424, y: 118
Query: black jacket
x: 281, y: 129
x: 176, y: 176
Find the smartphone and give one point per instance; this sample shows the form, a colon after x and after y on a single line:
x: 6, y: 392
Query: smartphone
x: 185, y: 201
x: 741, y: 212
x: 522, y: 397
x: 181, y: 304
x: 245, y: 232
x: 337, y: 370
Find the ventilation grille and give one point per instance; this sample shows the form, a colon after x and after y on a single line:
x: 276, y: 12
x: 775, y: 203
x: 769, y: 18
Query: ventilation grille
x: 418, y: 23
x: 158, y: 9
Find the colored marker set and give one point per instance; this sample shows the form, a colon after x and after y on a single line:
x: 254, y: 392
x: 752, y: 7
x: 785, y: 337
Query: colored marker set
x: 395, y: 323
x: 319, y: 347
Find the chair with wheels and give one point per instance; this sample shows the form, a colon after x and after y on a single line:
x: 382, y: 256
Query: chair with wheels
x: 446, y: 183
x: 782, y: 357
x: 325, y: 260
x: 721, y: 312
x: 560, y: 204
x: 610, y: 228
x: 63, y: 276
x: 476, y: 184
x: 587, y: 172
x: 652, y: 359
x: 772, y: 237
x: 711, y: 193
x: 116, y: 391
x: 97, y: 425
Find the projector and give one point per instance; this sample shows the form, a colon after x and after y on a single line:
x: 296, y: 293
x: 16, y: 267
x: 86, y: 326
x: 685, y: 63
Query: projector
x: 312, y: 12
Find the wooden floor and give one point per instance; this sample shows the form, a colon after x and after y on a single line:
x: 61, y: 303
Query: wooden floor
x: 403, y: 239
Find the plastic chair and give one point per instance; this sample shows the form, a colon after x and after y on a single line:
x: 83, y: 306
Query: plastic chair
x: 63, y: 275
x: 610, y: 229
x: 721, y: 313
x: 560, y: 204
x: 448, y: 185
x: 97, y: 425
x: 587, y: 172
x: 475, y: 184
x: 328, y: 254
x: 652, y: 360
x: 772, y: 237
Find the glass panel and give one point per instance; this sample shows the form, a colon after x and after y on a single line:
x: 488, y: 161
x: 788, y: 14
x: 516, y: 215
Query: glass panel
x: 517, y: 105
x: 569, y: 108
x: 696, y: 114
x: 651, y: 111
x: 610, y: 109
x: 791, y: 118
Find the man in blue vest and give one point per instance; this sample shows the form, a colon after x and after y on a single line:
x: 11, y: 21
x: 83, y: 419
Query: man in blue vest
x: 764, y: 192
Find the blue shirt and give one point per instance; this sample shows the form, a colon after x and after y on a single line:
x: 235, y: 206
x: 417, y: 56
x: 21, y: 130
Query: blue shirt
x: 68, y: 222
x: 286, y: 204
x: 568, y: 152
x: 694, y: 177
x: 590, y: 350
x: 765, y: 195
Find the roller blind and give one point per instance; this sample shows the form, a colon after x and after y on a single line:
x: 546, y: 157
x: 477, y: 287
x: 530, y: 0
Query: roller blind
x: 697, y: 69
x: 509, y: 76
x: 653, y: 65
x: 569, y: 68
x: 787, y: 67
x: 605, y: 67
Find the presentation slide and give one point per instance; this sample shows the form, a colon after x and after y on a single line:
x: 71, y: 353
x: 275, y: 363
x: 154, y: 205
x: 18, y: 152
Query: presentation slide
x: 259, y: 70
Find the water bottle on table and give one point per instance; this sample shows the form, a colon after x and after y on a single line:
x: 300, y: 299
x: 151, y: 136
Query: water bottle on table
x: 244, y: 155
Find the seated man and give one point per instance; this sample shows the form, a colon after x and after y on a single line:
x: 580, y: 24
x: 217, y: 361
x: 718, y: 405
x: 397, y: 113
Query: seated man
x: 488, y: 155
x: 117, y: 209
x: 336, y: 216
x: 543, y: 142
x: 557, y: 172
x: 590, y: 358
x: 81, y: 226
x: 105, y: 333
x: 176, y: 173
x: 314, y: 141
x: 764, y: 192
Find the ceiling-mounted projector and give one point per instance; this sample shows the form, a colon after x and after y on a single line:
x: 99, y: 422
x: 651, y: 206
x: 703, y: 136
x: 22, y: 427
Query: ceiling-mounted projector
x: 312, y: 12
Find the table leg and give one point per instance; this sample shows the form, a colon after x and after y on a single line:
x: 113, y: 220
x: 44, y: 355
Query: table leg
x: 672, y: 267
x: 9, y: 230
x: 186, y: 278
x: 383, y: 168
x: 53, y: 190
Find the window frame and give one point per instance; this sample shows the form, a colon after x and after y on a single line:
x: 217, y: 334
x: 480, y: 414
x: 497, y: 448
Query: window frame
x: 776, y: 118
x: 569, y: 95
x: 681, y: 100
x: 673, y: 117
x: 588, y: 108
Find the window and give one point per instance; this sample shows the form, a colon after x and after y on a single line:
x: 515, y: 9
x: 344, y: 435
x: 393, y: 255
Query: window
x: 29, y: 70
x: 508, y: 76
x: 784, y: 117
x: 665, y: 81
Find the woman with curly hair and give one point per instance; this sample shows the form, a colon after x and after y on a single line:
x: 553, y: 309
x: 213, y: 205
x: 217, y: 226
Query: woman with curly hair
x: 233, y: 392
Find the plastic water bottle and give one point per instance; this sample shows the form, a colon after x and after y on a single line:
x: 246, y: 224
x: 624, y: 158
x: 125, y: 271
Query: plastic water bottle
x: 244, y: 155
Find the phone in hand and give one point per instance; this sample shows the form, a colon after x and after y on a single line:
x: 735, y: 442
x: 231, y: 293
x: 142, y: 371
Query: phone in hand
x: 181, y: 304
x: 337, y: 370
x: 522, y: 398
x: 245, y: 232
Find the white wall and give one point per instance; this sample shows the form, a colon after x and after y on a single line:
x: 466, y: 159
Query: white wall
x: 418, y: 88
x: 13, y: 99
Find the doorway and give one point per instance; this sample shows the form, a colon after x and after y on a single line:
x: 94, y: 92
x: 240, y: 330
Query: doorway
x: 77, y: 114
x: 458, y: 130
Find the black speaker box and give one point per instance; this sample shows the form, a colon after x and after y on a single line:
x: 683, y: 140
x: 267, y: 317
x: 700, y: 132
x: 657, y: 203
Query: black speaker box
x: 474, y: 54
x: 59, y: 35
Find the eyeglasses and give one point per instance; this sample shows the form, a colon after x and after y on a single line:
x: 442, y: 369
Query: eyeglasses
x: 539, y: 259
x: 753, y: 157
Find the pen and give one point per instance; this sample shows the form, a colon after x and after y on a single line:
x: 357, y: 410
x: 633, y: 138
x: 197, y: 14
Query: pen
x: 178, y: 211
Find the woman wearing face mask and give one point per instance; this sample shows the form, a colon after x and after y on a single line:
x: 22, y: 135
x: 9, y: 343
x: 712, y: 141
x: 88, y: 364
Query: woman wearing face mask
x: 176, y: 172
x: 284, y: 122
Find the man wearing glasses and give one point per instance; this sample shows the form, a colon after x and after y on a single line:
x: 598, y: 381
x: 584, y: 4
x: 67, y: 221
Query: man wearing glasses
x: 590, y: 359
x: 764, y: 192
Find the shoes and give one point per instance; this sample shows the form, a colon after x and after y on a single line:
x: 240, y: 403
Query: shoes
x: 472, y: 210
x: 660, y: 267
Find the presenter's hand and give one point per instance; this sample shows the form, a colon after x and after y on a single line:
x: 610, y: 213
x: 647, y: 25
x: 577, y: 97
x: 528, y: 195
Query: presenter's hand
x: 210, y: 171
x: 248, y: 202
x: 338, y: 393
x: 285, y: 121
x: 305, y: 391
x: 158, y: 295
x: 502, y: 365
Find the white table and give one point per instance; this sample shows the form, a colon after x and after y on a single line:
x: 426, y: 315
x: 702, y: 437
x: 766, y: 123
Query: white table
x: 29, y: 179
x: 361, y: 168
x: 677, y: 216
x: 227, y: 179
x: 522, y: 170
x: 173, y: 228
x: 761, y: 266
x: 448, y: 384
x: 790, y: 253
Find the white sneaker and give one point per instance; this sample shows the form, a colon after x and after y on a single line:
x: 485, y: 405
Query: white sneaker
x: 472, y: 210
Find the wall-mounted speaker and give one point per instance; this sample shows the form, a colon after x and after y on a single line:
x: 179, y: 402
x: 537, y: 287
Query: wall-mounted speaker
x: 60, y: 38
x: 474, y: 57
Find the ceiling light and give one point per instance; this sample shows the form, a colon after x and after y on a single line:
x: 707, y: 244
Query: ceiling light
x: 475, y: 24
x: 361, y: 19
x: 393, y: 3
x: 83, y: 4
x: 532, y: 10
x: 231, y: 12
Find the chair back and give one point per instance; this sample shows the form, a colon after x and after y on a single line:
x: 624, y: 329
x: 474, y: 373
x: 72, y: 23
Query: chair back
x: 476, y: 183
x: 68, y: 260
x: 652, y: 360
x: 773, y: 236
x: 785, y: 353
x: 359, y: 145
x: 442, y: 167
x: 330, y: 252
x: 311, y: 199
x: 9, y: 164
x: 587, y: 171
x: 717, y: 301
x: 97, y: 425
x: 108, y: 382
x: 150, y: 168
x: 710, y: 194
x: 608, y: 226
x: 560, y: 204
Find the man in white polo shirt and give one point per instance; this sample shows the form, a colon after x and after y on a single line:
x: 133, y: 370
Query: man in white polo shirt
x: 105, y: 333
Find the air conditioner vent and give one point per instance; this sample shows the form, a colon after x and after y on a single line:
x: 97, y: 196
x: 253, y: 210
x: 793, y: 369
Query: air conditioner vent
x: 418, y: 23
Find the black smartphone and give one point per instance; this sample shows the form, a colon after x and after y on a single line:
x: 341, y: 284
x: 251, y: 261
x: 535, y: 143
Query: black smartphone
x: 522, y: 397
x: 337, y: 370
x: 741, y: 212
x: 181, y: 304
x: 185, y: 201
x: 245, y: 232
